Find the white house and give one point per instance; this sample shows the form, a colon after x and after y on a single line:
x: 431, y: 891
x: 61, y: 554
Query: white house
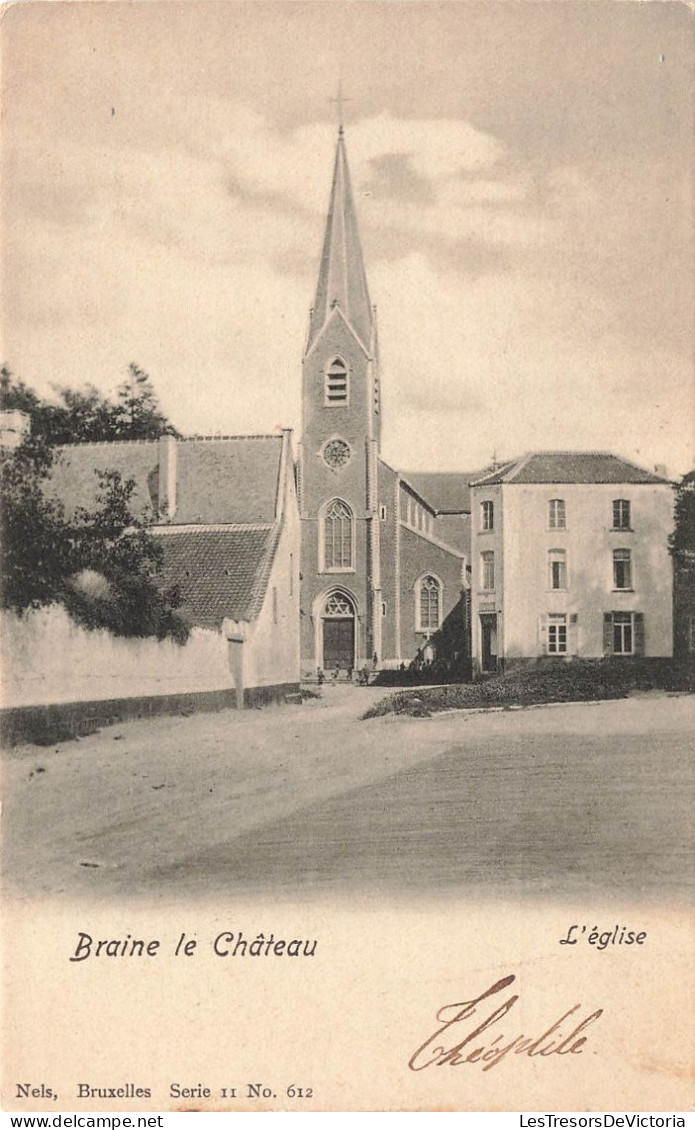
x: 570, y: 558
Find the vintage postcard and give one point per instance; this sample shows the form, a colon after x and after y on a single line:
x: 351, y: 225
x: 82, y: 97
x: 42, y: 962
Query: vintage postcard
x: 348, y: 354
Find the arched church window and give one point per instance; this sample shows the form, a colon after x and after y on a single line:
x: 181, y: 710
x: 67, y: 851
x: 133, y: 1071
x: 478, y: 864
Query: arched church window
x: 336, y: 389
x: 338, y: 537
x: 429, y: 604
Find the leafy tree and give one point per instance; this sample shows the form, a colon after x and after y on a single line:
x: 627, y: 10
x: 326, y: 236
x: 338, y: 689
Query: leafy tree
x: 85, y: 415
x: 15, y: 394
x: 115, y: 546
x: 140, y: 416
x: 102, y: 565
x: 36, y: 542
x: 682, y: 540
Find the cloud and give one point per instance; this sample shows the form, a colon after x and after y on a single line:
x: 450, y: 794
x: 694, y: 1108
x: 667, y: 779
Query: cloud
x: 496, y: 364
x: 506, y: 295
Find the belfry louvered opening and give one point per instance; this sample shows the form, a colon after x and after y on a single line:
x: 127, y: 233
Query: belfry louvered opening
x: 336, y: 389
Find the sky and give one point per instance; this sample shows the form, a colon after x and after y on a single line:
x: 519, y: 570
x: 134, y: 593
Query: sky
x: 523, y: 175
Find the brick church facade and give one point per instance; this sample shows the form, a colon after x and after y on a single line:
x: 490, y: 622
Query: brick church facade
x: 337, y: 561
x: 384, y: 558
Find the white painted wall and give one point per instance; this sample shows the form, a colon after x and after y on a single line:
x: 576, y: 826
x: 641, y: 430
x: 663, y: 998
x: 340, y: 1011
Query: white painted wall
x: 522, y: 544
x: 272, y: 650
x: 47, y: 658
x: 486, y: 541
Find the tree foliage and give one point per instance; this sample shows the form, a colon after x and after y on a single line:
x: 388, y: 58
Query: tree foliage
x: 139, y: 416
x: 36, y: 541
x: 682, y: 540
x: 85, y: 415
x: 102, y: 565
x: 115, y: 546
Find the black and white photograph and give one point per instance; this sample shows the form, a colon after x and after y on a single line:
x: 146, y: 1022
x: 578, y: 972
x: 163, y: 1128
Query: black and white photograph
x: 347, y: 521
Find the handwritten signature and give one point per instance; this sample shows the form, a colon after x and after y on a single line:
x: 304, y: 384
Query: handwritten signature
x: 438, y: 1050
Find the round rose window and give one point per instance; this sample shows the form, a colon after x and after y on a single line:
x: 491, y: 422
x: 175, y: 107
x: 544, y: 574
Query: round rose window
x: 336, y: 453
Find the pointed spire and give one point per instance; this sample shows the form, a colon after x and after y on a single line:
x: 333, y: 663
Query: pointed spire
x: 342, y: 280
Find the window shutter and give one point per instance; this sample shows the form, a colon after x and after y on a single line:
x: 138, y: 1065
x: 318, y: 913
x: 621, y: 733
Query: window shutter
x: 607, y: 633
x: 639, y: 633
x: 573, y: 635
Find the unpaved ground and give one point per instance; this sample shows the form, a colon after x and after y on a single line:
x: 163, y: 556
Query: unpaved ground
x: 306, y: 799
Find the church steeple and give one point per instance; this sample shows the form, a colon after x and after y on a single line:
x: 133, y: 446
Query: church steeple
x: 342, y: 280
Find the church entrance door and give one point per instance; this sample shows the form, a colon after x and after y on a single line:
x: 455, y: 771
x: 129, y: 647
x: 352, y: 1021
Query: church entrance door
x: 338, y: 633
x: 338, y: 644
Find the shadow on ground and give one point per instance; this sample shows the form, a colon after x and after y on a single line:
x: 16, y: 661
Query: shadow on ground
x: 532, y: 819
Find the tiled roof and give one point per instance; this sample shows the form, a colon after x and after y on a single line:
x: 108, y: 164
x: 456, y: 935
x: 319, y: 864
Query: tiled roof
x: 229, y: 480
x: 447, y: 492
x: 221, y: 573
x: 454, y: 530
x: 570, y: 467
x: 74, y: 482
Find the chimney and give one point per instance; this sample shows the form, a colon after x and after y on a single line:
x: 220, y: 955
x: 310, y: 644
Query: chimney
x: 660, y: 469
x: 167, y: 477
x: 14, y: 427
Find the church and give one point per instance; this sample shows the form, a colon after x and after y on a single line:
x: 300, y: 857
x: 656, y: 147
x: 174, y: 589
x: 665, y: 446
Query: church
x: 328, y: 560
x: 385, y: 555
x: 288, y: 562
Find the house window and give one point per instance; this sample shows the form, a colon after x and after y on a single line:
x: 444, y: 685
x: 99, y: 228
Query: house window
x: 338, y: 536
x: 557, y: 515
x: 557, y: 634
x: 275, y: 605
x: 382, y: 513
x: 623, y: 633
x: 429, y: 604
x: 487, y: 570
x: 622, y: 569
x: 557, y: 569
x: 487, y: 515
x: 383, y: 608
x: 336, y: 387
x: 621, y: 514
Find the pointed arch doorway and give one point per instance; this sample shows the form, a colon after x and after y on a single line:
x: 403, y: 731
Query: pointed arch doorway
x: 338, y: 632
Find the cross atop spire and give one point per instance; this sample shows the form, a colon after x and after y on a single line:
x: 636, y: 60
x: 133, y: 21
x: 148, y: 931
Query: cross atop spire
x: 342, y: 281
x: 339, y: 100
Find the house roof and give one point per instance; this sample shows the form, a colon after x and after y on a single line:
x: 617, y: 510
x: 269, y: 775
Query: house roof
x: 569, y: 467
x: 220, y: 573
x: 228, y: 480
x: 233, y: 479
x: 74, y: 480
x: 220, y: 545
x: 454, y: 530
x: 447, y: 492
